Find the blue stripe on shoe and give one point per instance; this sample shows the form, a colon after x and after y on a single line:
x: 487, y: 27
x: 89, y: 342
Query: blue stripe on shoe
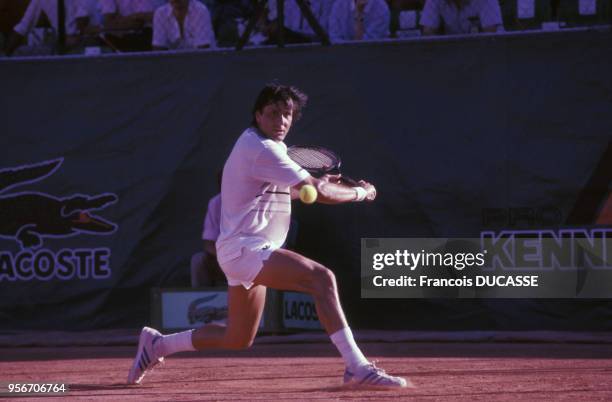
x: 367, y: 378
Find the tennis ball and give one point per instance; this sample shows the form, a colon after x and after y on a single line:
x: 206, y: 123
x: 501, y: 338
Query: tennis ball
x: 308, y: 194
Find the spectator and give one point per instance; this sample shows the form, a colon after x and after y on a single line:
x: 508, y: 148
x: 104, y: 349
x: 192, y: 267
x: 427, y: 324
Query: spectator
x: 297, y: 28
x: 205, y: 270
x: 460, y: 16
x: 131, y: 19
x: 182, y: 24
x: 230, y: 18
x: 78, y: 15
x: 358, y: 20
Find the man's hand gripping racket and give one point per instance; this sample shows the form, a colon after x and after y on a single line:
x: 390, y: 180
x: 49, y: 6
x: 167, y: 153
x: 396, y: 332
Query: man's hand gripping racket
x: 325, y: 164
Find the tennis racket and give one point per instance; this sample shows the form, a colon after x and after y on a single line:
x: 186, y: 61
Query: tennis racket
x: 318, y: 161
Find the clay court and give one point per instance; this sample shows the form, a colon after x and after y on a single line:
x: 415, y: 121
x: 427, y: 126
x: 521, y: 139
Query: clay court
x: 484, y: 371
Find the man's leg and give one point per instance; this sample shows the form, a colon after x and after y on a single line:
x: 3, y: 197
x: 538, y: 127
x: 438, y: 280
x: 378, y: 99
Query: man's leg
x: 245, y: 308
x: 287, y: 270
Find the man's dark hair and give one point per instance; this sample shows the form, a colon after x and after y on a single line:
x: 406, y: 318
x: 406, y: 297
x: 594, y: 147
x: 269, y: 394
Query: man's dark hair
x: 273, y: 93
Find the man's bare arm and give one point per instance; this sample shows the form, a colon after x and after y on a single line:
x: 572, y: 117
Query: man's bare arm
x: 330, y: 191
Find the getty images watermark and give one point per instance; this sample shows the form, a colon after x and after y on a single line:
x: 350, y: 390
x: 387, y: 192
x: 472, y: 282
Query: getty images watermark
x: 565, y: 263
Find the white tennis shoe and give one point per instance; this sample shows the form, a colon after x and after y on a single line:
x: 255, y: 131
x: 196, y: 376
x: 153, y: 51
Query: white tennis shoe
x: 145, y: 357
x: 370, y: 376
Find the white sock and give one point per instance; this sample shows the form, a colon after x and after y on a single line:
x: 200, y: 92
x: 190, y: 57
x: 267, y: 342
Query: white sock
x: 344, y: 341
x: 173, y: 343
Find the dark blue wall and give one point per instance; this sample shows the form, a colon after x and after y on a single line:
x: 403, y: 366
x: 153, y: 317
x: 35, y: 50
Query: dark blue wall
x: 444, y: 128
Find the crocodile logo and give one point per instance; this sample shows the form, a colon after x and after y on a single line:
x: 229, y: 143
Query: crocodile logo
x: 29, y: 217
x: 199, y: 311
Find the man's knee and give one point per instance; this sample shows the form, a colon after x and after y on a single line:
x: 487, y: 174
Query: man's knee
x: 323, y: 279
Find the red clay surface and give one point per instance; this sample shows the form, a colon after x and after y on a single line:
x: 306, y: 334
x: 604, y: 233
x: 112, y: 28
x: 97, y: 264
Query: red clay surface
x: 297, y: 372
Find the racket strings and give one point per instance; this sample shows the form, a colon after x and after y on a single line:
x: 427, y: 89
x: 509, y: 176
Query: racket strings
x: 312, y: 159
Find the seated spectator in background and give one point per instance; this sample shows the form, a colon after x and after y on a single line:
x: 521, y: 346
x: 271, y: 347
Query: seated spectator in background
x: 182, y: 24
x: 359, y: 20
x: 133, y: 17
x: 205, y: 270
x: 297, y: 28
x: 78, y: 15
x: 230, y: 18
x: 460, y: 16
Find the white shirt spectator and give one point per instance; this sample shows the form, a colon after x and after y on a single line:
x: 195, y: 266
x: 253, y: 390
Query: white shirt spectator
x: 212, y: 221
x: 197, y: 28
x: 74, y: 9
x: 342, y: 20
x: 296, y: 21
x: 255, y: 195
x: 128, y: 7
x: 457, y: 20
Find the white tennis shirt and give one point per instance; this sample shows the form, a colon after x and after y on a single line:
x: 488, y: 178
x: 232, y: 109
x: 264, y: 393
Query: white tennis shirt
x: 255, y: 194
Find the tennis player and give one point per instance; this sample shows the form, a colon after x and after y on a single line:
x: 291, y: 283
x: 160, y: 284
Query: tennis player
x: 259, y: 182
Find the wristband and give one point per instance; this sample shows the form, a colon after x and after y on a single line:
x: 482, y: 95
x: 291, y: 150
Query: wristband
x: 361, y: 194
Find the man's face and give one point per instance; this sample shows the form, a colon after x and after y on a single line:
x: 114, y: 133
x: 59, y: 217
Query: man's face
x: 274, y: 120
x: 179, y: 5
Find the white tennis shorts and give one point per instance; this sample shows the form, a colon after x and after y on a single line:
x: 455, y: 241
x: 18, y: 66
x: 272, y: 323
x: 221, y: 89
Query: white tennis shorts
x: 243, y: 269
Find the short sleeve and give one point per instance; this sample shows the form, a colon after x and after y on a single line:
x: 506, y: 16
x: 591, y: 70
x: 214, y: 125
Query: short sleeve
x: 430, y: 17
x: 274, y: 166
x: 212, y: 221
